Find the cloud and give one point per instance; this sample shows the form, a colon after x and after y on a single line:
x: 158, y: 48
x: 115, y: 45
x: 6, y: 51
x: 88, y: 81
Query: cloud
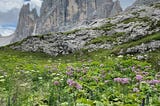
x: 10, y: 17
x: 6, y: 31
x: 7, y: 5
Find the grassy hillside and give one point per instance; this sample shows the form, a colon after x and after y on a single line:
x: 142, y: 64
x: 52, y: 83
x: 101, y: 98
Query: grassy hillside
x: 81, y: 79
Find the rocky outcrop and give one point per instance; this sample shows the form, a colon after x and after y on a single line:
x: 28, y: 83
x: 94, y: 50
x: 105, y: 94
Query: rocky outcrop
x: 62, y: 15
x: 131, y: 31
x: 144, y: 2
x: 151, y: 46
x: 141, y: 3
x: 60, y: 43
x: 26, y: 23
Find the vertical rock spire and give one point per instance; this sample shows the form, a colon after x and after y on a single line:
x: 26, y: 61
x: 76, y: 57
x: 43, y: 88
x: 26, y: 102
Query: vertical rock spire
x: 116, y: 8
x: 26, y: 23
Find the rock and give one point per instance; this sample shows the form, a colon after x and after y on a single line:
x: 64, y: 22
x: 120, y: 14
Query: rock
x: 151, y: 46
x: 116, y: 8
x: 129, y: 26
x: 26, y: 23
x: 141, y: 3
x: 63, y: 15
x: 144, y: 2
x: 57, y: 44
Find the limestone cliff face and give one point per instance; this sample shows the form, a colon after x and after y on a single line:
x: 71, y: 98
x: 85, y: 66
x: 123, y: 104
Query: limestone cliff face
x: 26, y: 23
x: 60, y: 15
x: 116, y: 8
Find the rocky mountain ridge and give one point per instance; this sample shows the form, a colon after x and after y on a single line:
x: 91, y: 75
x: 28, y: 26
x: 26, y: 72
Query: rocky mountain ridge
x: 130, y: 32
x: 62, y: 15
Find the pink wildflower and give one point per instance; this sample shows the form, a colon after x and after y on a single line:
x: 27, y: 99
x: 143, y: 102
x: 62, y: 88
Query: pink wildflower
x: 154, y: 82
x: 122, y: 80
x: 139, y: 77
x: 56, y: 83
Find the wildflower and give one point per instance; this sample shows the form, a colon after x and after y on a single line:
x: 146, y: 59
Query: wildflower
x: 69, y: 73
x: 125, y: 81
x: 56, y: 83
x: 139, y: 77
x: 72, y: 83
x: 81, y: 78
x: 78, y: 86
x: 133, y: 68
x: 122, y: 80
x: 135, y: 90
x: 117, y: 79
x: 154, y: 82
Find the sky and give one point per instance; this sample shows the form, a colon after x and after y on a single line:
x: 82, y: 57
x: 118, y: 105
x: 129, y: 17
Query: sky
x: 9, y: 12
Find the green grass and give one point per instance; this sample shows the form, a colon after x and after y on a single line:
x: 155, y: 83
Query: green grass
x: 135, y: 19
x: 28, y: 79
x: 104, y: 38
x: 105, y: 27
x: 157, y: 5
x: 71, y: 32
x: 148, y: 38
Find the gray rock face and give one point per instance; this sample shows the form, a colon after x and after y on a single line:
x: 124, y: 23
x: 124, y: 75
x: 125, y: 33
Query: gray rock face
x: 151, y: 46
x: 26, y: 23
x: 141, y: 3
x: 144, y: 2
x: 62, y: 15
x: 116, y: 8
x: 57, y: 44
x: 126, y: 28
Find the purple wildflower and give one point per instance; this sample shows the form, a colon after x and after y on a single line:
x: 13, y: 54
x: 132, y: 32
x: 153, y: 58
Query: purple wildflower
x: 69, y: 73
x: 117, y: 79
x: 78, y: 86
x: 81, y: 78
x: 72, y: 83
x: 135, y: 90
x: 122, y: 80
x: 56, y: 83
x: 139, y: 77
x: 125, y: 81
x: 154, y: 82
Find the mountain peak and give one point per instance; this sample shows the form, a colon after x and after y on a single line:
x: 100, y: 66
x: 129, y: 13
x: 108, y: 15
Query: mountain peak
x: 62, y: 15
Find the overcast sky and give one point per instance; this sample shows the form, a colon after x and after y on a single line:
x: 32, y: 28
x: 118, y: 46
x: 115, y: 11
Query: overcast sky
x: 9, y: 11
